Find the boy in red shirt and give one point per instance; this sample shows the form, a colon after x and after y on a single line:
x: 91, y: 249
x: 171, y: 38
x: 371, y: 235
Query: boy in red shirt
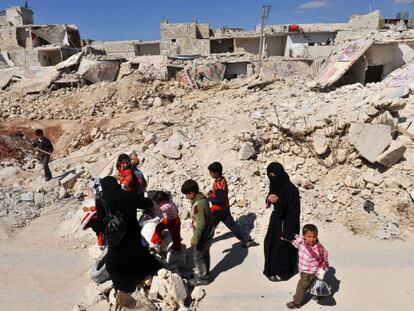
x: 220, y: 206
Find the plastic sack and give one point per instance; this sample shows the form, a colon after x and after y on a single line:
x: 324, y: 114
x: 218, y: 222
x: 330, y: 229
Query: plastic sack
x: 320, y: 288
x: 98, y: 273
x: 148, y: 230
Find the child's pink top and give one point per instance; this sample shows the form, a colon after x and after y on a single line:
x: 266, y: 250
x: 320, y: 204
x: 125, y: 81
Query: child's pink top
x: 311, y: 258
x: 169, y: 210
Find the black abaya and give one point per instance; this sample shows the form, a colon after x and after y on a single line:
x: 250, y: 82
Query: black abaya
x: 280, y: 255
x: 129, y: 262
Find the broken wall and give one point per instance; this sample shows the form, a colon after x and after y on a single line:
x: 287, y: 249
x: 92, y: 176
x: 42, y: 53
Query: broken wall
x: 275, y: 46
x: 273, y: 69
x: 24, y: 57
x: 49, y: 57
x: 296, y: 43
x: 179, y: 39
x: 234, y: 70
x: 248, y: 45
x: 219, y: 46
x: 148, y: 49
x: 8, y: 38
x: 318, y: 51
x: 390, y: 56
x: 19, y: 16
x: 126, y: 49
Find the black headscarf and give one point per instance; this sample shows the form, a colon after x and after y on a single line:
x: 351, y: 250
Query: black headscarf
x: 277, y: 177
x: 110, y: 183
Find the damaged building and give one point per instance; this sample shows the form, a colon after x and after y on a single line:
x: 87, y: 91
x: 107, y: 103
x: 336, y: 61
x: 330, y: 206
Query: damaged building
x: 23, y: 43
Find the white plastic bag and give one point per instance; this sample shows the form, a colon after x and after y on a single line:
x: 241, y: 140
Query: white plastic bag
x: 320, y: 289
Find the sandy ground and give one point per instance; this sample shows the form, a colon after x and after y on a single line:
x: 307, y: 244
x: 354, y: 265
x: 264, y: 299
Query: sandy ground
x: 39, y: 270
x: 365, y: 275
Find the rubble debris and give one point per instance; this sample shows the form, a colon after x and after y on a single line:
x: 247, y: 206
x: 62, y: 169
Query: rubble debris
x: 392, y: 155
x: 370, y: 140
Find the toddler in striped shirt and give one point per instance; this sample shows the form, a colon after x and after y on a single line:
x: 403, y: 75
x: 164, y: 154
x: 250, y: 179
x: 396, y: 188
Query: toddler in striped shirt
x: 313, y: 262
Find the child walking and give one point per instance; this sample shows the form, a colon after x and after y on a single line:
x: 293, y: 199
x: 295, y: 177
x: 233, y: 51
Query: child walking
x: 313, y: 262
x: 127, y: 178
x: 220, y: 206
x: 203, y: 232
x: 170, y: 220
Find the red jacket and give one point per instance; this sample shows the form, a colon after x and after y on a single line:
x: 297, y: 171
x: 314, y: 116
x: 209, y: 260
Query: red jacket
x: 219, y: 196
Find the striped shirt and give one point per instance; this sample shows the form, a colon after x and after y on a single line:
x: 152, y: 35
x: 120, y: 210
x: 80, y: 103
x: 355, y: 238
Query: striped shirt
x: 220, y: 184
x: 311, y: 258
x: 169, y: 210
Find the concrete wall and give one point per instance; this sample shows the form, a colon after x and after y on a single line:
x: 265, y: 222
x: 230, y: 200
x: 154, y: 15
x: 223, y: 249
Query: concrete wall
x: 3, y: 18
x: 8, y: 38
x: 126, y: 49
x: 392, y: 56
x: 24, y: 57
x: 19, y: 16
x: 275, y: 46
x: 318, y: 51
x: 203, y: 31
x: 148, y: 49
x: 182, y: 39
x: 297, y: 42
x: 249, y: 45
x: 49, y: 57
x: 222, y: 46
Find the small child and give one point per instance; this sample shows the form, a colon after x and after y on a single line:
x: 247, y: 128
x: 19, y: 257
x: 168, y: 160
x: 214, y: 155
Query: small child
x: 313, y: 262
x: 170, y: 220
x: 44, y: 149
x: 203, y: 232
x: 141, y: 182
x: 220, y: 206
x: 127, y: 178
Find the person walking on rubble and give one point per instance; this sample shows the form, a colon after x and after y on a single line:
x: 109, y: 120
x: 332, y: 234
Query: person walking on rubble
x: 203, y: 232
x: 284, y: 224
x: 220, y: 206
x: 44, y: 151
x: 128, y: 262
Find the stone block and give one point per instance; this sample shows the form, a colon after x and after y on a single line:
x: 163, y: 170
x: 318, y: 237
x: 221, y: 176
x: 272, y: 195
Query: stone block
x: 246, y: 151
x: 392, y: 155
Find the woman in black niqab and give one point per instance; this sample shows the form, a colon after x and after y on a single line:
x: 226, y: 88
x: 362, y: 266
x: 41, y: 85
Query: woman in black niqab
x: 280, y: 255
x: 129, y: 262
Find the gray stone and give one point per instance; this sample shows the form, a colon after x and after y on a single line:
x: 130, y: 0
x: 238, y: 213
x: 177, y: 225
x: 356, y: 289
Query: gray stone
x: 38, y: 198
x: 178, y: 289
x: 370, y: 140
x: 371, y: 111
x: 392, y: 155
x: 69, y: 180
x: 372, y: 178
x: 169, y: 152
x: 157, y: 288
x: 149, y: 138
x: 320, y: 142
x: 27, y: 197
x: 246, y: 151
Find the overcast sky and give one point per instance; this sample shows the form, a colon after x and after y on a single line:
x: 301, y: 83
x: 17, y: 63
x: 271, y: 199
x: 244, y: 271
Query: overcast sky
x: 139, y: 19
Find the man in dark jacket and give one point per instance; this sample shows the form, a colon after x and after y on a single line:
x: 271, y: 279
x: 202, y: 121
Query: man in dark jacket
x: 44, y: 148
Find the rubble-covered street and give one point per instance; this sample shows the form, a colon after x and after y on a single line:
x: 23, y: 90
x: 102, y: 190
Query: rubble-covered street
x: 343, y: 133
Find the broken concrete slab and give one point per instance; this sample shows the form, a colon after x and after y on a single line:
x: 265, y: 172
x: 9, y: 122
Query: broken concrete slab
x: 169, y: 152
x: 69, y: 180
x: 370, y: 140
x: 340, y: 62
x: 246, y: 151
x: 36, y: 80
x: 72, y: 61
x: 392, y: 155
x: 94, y: 71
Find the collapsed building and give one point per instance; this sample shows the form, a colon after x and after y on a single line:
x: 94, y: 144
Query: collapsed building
x: 23, y: 43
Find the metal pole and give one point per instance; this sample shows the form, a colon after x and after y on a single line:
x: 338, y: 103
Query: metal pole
x: 265, y: 15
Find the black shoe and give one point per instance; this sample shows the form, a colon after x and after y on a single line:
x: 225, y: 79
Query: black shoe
x: 198, y: 282
x: 250, y: 243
